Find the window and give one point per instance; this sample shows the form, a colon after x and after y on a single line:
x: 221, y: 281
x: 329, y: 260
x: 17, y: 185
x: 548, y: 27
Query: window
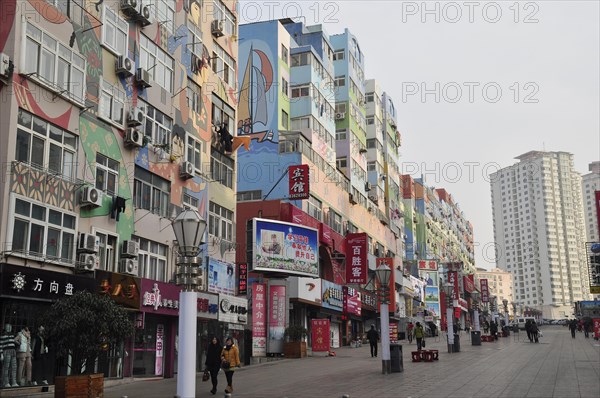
x: 151, y: 192
x: 55, y: 64
x: 340, y: 134
x: 194, y: 38
x: 70, y: 8
x: 38, y: 229
x: 194, y: 99
x: 301, y: 123
x: 223, y: 65
x: 107, y: 174
x: 221, y: 167
x: 157, y: 62
x: 369, y: 97
x: 164, y: 13
x: 152, y: 260
x: 371, y: 166
x: 302, y: 91
x: 44, y: 145
x: 340, y: 107
x: 158, y: 126
x: 284, y: 119
x: 335, y: 221
x: 301, y: 59
x: 220, y: 222
x: 284, y: 87
x: 244, y: 196
x: 341, y: 163
x: 370, y: 120
x: 107, y: 251
x: 221, y: 13
x: 194, y: 153
x: 314, y: 208
x: 339, y: 81
x: 112, y: 103
x: 189, y: 201
x: 284, y: 54
x: 222, y: 113
x: 114, y: 32
x: 338, y: 55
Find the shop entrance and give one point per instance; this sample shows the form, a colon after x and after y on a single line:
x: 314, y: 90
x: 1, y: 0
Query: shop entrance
x: 148, y: 349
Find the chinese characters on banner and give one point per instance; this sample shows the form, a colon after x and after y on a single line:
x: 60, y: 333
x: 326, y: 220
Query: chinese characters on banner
x: 243, y: 279
x: 158, y: 364
x: 453, y: 279
x: 320, y: 334
x: 393, y: 333
x: 259, y: 320
x: 485, y: 293
x: 277, y: 312
x: 428, y: 265
x: 356, y: 258
x: 351, y: 301
x: 299, y: 182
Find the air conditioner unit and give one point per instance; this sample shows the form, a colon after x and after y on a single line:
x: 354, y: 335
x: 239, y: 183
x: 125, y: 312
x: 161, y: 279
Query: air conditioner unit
x: 368, y: 186
x: 187, y: 170
x: 143, y: 16
x: 134, y: 138
x: 91, y: 196
x: 6, y: 66
x: 340, y: 116
x: 128, y: 266
x: 124, y: 66
x: 216, y: 28
x: 129, y: 7
x: 136, y: 117
x: 88, y: 243
x: 87, y: 262
x: 130, y: 249
x: 142, y: 77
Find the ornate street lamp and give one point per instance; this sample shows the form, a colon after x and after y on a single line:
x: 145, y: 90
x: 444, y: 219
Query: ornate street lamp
x: 189, y: 229
x: 449, y: 290
x: 476, y: 335
x: 383, y: 274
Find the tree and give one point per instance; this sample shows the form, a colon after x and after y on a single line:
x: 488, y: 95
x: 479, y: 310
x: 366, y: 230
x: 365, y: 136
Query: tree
x: 83, y: 326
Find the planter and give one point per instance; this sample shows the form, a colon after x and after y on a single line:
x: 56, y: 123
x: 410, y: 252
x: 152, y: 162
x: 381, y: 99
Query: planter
x: 81, y: 386
x: 294, y: 349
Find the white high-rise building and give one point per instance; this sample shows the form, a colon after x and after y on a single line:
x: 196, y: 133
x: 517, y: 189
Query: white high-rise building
x: 591, y: 184
x: 538, y: 219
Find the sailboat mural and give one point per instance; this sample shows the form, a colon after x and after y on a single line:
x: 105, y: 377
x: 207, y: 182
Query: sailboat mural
x: 253, y: 115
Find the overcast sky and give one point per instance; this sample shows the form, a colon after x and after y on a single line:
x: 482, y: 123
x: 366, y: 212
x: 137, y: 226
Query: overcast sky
x: 508, y: 79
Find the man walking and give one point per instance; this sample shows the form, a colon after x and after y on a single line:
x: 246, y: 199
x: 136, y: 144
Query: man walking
x: 419, y: 335
x: 573, y: 327
x: 373, y: 336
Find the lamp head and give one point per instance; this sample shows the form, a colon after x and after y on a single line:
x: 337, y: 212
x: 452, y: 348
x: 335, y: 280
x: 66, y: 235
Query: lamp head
x: 383, y: 273
x: 189, y: 229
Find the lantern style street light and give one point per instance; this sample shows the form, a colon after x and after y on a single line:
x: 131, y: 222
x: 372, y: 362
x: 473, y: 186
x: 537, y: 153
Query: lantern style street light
x: 449, y: 290
x: 383, y: 274
x: 189, y: 229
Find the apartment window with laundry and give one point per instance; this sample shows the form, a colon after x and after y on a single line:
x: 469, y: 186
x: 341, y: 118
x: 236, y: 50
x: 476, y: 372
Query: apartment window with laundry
x: 151, y: 192
x: 222, y: 113
x: 107, y: 174
x: 220, y: 222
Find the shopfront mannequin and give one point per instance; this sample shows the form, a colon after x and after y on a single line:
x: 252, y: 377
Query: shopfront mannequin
x: 39, y: 352
x: 23, y: 341
x: 8, y: 354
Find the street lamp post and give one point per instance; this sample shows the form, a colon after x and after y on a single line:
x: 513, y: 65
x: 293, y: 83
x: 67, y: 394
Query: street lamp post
x: 476, y: 337
x: 383, y: 273
x: 189, y: 229
x: 505, y: 303
x: 449, y: 290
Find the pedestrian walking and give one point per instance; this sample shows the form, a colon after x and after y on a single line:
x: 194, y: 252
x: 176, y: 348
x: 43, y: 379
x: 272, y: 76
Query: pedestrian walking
x: 573, y: 327
x: 528, y: 330
x: 230, y: 359
x: 588, y: 326
x: 494, y: 329
x: 533, y: 327
x: 486, y: 326
x: 420, y: 336
x: 409, y: 331
x: 213, y: 362
x: 373, y: 336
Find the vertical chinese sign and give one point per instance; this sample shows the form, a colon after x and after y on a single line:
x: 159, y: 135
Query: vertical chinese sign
x: 320, y: 334
x: 242, y: 279
x: 277, y: 312
x: 356, y: 258
x: 453, y: 280
x: 259, y: 317
x: 158, y: 364
x: 298, y: 182
x: 485, y: 293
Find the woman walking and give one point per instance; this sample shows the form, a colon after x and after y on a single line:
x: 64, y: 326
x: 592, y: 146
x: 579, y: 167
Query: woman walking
x: 230, y: 358
x: 213, y: 362
x: 420, y: 336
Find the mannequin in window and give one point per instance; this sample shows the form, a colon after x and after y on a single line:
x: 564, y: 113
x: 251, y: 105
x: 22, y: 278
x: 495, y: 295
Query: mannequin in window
x: 23, y: 341
x: 39, y: 352
x: 8, y: 356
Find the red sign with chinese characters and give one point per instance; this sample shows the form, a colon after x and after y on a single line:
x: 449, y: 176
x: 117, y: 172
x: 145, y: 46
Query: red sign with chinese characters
x: 320, y: 334
x: 596, y: 327
x: 428, y: 265
x: 453, y: 280
x: 485, y: 293
x: 351, y: 301
x: 299, y: 183
x: 356, y: 258
x: 242, y: 278
x: 259, y: 319
x: 468, y: 283
x: 393, y: 333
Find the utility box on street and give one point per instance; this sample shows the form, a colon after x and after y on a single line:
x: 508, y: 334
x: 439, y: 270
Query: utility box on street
x: 475, y: 338
x: 396, y: 358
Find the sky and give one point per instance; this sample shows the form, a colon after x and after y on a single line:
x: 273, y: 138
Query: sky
x: 475, y: 84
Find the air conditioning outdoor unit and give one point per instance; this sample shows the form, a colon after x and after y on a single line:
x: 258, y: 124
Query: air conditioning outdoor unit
x: 130, y: 249
x: 6, y: 66
x: 136, y: 117
x: 87, y: 262
x: 88, y: 243
x: 216, y: 28
x: 187, y: 170
x: 144, y: 16
x: 124, y: 66
x: 134, y: 138
x: 128, y: 266
x: 340, y: 116
x: 91, y: 196
x: 129, y: 7
x: 142, y: 77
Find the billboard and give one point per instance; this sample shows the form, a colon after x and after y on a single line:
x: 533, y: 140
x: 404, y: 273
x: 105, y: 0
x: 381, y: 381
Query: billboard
x: 593, y: 256
x: 431, y: 277
x: 356, y: 258
x: 285, y: 247
x: 221, y: 277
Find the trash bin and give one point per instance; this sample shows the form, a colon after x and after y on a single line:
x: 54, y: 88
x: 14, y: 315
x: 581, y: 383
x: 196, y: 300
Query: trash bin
x: 456, y: 342
x: 475, y: 338
x: 396, y: 358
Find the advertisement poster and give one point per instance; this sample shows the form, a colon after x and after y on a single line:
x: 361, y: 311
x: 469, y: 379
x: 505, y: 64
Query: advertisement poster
x: 242, y: 279
x: 259, y: 320
x: 299, y: 184
x: 432, y: 294
x: 430, y: 277
x: 352, y: 303
x: 221, y: 277
x: 333, y: 296
x: 277, y: 317
x: 320, y: 335
x: 285, y: 247
x: 393, y: 333
x: 433, y: 309
x: 158, y: 364
x: 485, y: 293
x: 356, y: 258
x: 596, y: 328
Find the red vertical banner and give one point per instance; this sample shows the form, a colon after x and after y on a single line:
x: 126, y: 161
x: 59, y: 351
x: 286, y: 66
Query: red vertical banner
x: 299, y: 182
x: 320, y: 335
x: 356, y: 258
x: 277, y: 312
x: 596, y: 327
x: 453, y: 280
x: 597, y: 194
x: 393, y: 333
x: 242, y: 278
x: 259, y: 319
x: 485, y: 293
x: 351, y: 301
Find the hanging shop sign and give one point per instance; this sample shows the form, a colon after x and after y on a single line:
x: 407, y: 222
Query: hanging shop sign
x: 159, y: 297
x: 259, y: 319
x: 356, y: 258
x: 242, y: 279
x: 123, y: 289
x: 333, y: 296
x: 158, y: 363
x: 427, y: 265
x: 208, y: 305
x: 485, y: 292
x: 233, y: 309
x: 351, y: 301
x: 453, y: 280
x: 299, y: 183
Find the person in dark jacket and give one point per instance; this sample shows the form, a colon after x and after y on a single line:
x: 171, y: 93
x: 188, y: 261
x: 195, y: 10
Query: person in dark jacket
x: 528, y: 330
x: 213, y: 361
x: 494, y: 329
x: 573, y: 327
x: 533, y: 327
x: 373, y: 336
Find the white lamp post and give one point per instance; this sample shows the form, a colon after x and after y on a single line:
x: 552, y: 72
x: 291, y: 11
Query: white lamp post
x: 449, y: 290
x: 505, y: 303
x: 475, y: 297
x: 383, y: 273
x: 189, y: 229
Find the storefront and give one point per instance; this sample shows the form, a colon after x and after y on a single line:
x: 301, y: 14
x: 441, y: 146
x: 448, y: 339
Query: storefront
x: 26, y: 293
x: 305, y: 301
x: 351, y: 318
x: 208, y: 326
x: 233, y: 318
x: 332, y: 305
